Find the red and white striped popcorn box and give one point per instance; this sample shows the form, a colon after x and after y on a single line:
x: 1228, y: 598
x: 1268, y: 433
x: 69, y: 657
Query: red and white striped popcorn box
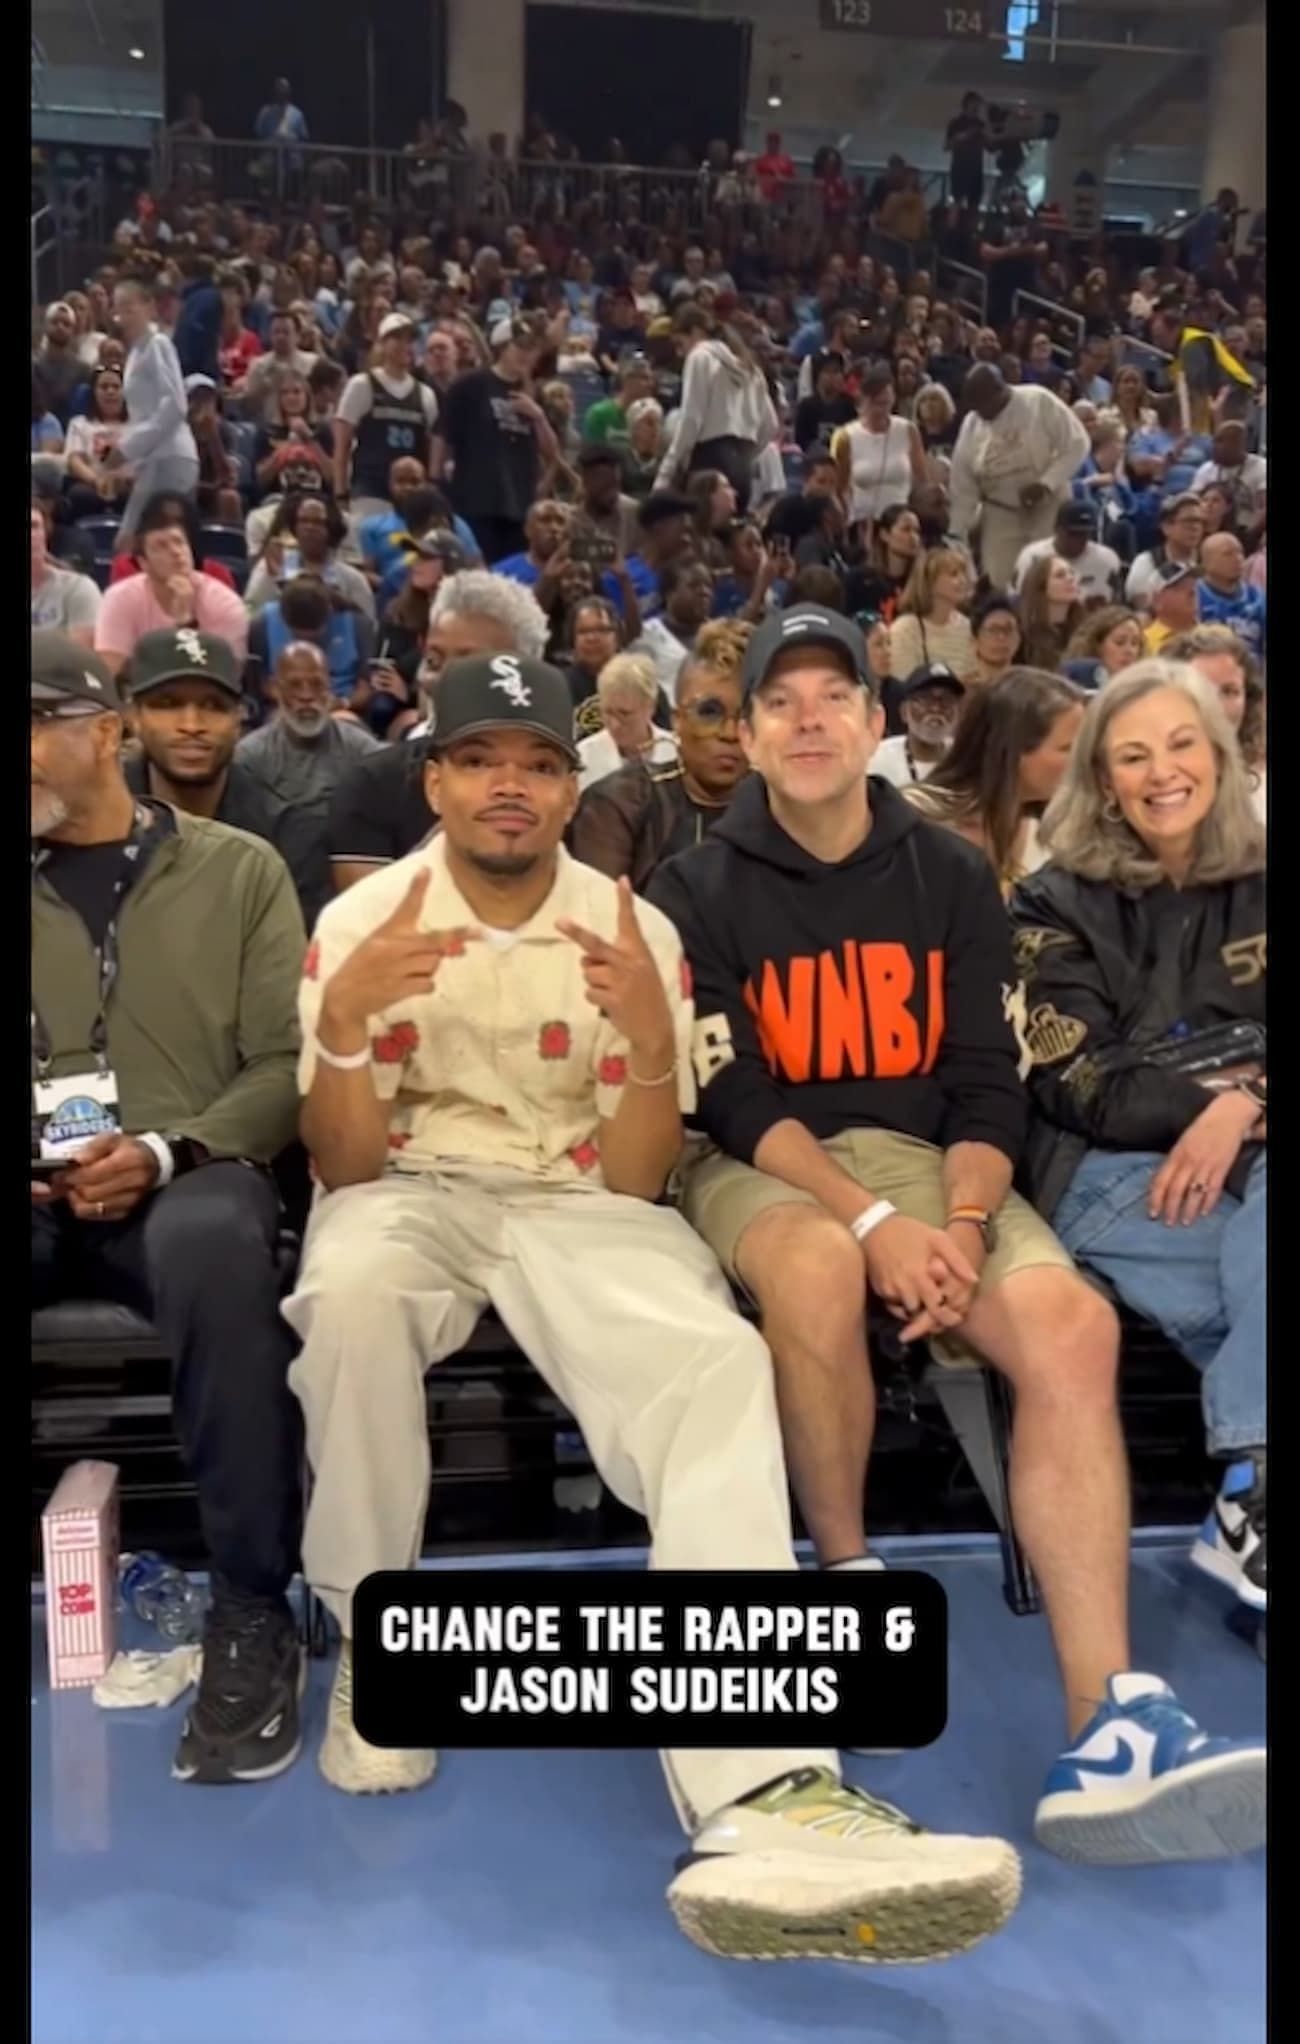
x: 79, y: 1530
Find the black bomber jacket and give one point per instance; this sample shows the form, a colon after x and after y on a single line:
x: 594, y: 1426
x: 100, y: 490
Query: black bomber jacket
x: 1106, y: 971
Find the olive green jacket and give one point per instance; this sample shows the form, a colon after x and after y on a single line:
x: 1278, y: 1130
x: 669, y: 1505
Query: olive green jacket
x: 202, y: 1017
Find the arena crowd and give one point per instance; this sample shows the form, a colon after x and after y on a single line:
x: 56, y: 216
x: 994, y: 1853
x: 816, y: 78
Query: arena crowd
x: 694, y: 775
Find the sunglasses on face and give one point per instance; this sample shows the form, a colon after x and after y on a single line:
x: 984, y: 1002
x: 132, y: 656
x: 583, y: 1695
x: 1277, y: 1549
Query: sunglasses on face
x: 712, y: 713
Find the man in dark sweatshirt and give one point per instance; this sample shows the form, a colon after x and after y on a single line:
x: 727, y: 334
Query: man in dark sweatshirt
x: 859, y: 1084
x: 197, y: 335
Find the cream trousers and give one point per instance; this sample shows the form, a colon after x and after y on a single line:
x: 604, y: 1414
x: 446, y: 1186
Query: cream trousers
x: 624, y: 1312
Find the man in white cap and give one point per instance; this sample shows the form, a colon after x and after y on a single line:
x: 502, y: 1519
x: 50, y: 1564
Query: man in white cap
x: 58, y: 359
x: 383, y: 416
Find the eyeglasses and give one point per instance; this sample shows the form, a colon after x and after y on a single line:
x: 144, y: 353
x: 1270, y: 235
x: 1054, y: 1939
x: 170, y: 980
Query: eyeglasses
x: 712, y: 713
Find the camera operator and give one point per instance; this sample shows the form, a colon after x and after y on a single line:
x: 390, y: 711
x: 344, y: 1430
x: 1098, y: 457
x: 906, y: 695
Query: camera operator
x: 966, y: 140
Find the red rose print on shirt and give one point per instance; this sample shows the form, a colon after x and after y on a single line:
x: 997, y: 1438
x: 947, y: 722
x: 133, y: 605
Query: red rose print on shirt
x: 396, y: 1045
x: 585, y: 1155
x: 612, y: 1071
x: 311, y: 963
x: 688, y: 985
x: 398, y: 1141
x: 554, y: 1040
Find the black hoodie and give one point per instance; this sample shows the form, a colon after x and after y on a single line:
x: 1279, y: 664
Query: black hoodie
x: 870, y: 994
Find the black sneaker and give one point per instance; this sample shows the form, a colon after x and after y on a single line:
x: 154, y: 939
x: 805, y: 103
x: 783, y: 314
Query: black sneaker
x: 243, y: 1725
x: 1232, y: 1545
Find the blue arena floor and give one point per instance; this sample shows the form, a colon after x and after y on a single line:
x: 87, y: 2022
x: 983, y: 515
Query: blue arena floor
x: 519, y: 1900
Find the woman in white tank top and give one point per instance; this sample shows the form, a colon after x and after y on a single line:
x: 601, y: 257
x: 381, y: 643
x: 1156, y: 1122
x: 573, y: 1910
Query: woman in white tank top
x: 880, y: 458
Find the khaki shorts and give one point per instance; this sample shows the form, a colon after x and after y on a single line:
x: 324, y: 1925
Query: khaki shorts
x: 720, y: 1197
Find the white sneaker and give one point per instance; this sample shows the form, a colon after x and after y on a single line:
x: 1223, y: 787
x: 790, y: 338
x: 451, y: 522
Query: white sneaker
x: 351, y: 1763
x: 807, y: 1868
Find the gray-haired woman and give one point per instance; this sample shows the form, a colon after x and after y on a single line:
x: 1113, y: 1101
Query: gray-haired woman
x: 628, y: 689
x: 1143, y: 957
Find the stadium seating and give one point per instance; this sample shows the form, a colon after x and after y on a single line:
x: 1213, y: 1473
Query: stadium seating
x: 89, y: 1358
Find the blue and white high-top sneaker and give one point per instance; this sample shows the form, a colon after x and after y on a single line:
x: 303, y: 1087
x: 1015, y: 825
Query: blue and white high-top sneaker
x: 1143, y: 1783
x: 1232, y: 1544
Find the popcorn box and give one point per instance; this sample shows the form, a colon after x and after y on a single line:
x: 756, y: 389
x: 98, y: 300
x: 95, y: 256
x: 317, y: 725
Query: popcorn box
x: 79, y: 1533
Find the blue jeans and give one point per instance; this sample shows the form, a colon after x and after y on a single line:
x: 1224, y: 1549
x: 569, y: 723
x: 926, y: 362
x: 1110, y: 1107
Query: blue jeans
x: 1203, y: 1286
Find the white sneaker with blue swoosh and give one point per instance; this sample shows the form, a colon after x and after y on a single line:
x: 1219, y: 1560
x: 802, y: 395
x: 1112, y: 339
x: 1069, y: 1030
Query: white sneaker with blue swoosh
x: 1143, y: 1783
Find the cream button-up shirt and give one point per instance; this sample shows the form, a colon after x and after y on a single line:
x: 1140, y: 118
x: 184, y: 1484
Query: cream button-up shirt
x: 504, y: 1063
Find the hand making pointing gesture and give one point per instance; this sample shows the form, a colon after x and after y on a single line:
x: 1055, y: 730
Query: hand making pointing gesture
x: 623, y: 980
x: 394, y: 963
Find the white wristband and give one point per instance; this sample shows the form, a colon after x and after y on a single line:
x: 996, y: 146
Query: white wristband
x: 353, y: 1062
x: 871, y: 1217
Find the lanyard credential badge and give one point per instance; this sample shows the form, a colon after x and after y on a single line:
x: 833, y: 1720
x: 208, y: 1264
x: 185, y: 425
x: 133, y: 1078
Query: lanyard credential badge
x: 69, y: 1112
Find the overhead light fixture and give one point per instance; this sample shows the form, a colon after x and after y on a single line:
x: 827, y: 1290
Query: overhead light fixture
x: 774, y: 91
x: 136, y: 56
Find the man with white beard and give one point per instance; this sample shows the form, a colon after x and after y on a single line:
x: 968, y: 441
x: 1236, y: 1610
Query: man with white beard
x: 304, y: 751
x: 928, y: 703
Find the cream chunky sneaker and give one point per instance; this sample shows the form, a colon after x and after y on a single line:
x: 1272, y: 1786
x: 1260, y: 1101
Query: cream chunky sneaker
x: 351, y: 1763
x: 808, y: 1868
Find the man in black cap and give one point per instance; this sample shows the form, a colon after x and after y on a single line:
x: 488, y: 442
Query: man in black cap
x: 379, y: 811
x: 476, y: 1138
x: 854, y: 990
x: 1096, y: 567
x: 185, y: 698
x: 928, y: 702
x: 166, y: 952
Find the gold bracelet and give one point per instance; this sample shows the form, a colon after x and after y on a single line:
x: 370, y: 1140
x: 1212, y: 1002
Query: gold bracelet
x: 663, y: 1079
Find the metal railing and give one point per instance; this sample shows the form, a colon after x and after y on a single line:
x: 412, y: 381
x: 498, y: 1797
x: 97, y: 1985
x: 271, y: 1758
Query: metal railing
x: 965, y: 289
x: 490, y: 188
x: 1141, y: 355
x: 67, y: 234
x: 259, y: 173
x: 1065, y: 327
x: 45, y: 242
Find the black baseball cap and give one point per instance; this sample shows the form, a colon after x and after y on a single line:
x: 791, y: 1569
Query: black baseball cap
x: 67, y: 679
x: 934, y: 675
x: 438, y: 546
x: 503, y: 692
x: 184, y: 654
x: 806, y: 624
x: 1072, y: 516
x: 661, y: 504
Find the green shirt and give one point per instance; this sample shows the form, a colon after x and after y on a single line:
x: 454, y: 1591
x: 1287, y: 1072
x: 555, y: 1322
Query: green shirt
x: 605, y: 421
x: 202, y: 1018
